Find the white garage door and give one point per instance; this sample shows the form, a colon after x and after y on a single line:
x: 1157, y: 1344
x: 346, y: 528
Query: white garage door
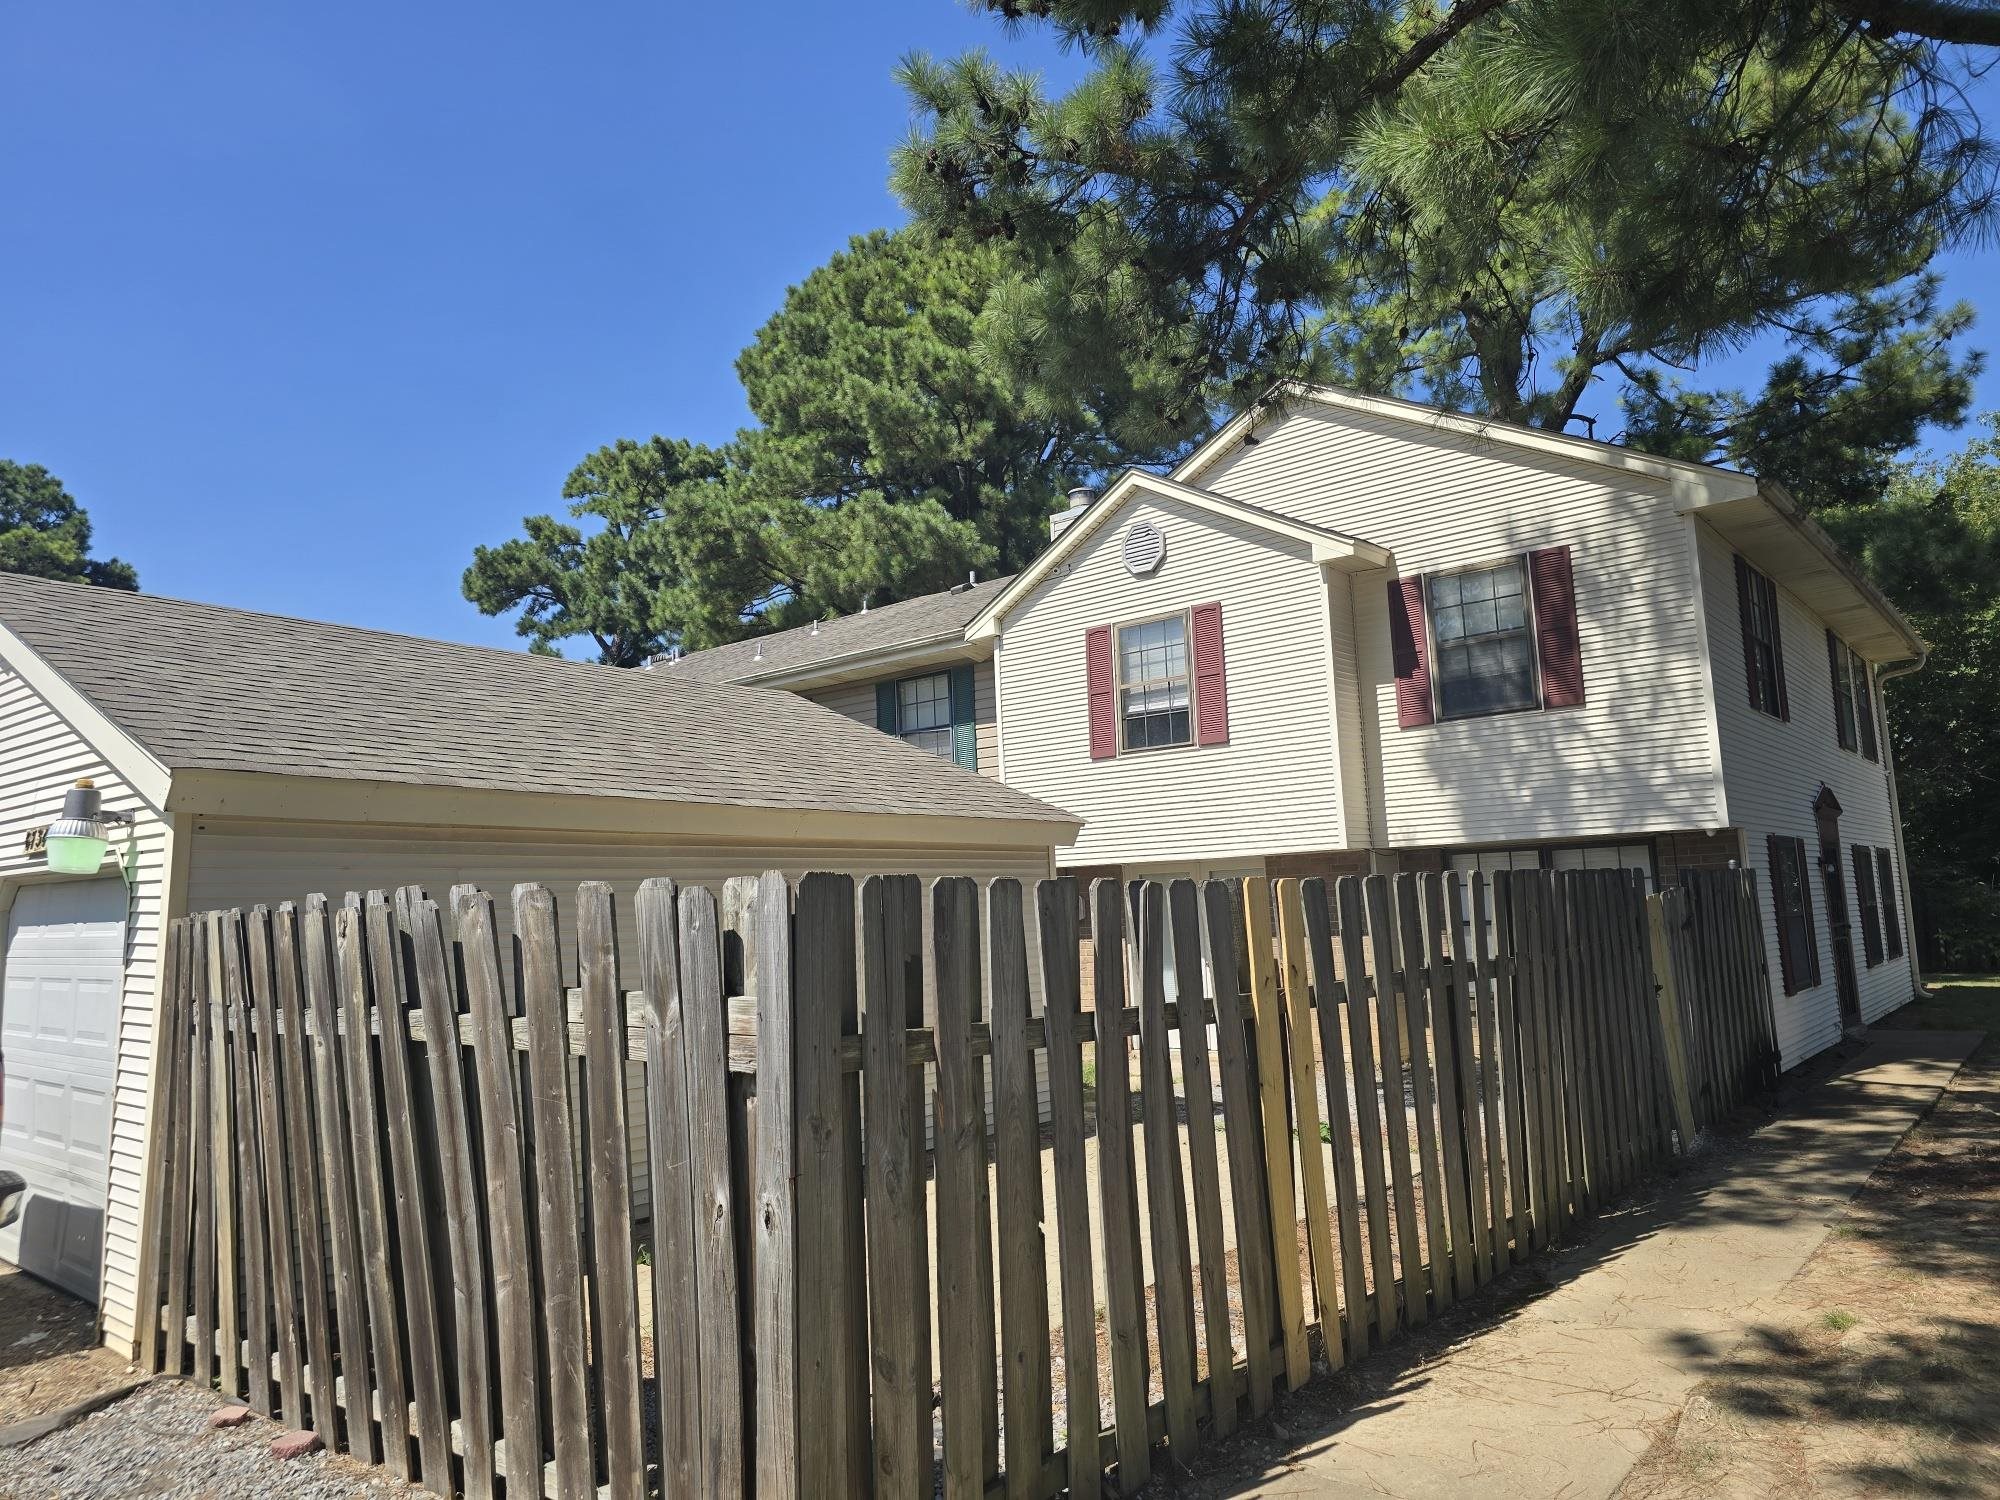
x: 58, y: 1033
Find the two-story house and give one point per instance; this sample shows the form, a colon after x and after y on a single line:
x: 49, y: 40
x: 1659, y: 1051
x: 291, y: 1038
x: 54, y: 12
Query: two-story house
x: 1351, y: 633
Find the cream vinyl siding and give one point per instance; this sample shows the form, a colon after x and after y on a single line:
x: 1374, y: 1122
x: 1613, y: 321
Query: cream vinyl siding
x: 1636, y: 756
x: 857, y: 701
x: 1272, y: 788
x: 1774, y: 771
x: 41, y: 756
x: 243, y: 864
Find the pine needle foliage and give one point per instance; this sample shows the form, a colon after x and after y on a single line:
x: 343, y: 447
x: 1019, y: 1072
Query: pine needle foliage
x: 1490, y: 206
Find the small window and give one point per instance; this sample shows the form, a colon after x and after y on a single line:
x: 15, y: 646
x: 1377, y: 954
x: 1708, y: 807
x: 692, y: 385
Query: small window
x: 1154, y: 690
x: 1885, y: 895
x: 923, y: 713
x: 1484, y: 641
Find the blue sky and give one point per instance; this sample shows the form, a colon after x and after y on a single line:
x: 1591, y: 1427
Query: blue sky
x: 302, y: 302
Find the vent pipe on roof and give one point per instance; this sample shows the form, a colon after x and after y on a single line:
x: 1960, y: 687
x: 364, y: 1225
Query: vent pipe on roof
x: 1080, y: 500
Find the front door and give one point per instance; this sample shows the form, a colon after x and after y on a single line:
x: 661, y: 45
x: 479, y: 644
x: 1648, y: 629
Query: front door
x: 1833, y: 882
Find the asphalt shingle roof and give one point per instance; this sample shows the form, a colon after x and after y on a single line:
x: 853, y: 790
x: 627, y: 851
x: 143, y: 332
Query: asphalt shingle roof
x: 913, y: 622
x: 204, y: 687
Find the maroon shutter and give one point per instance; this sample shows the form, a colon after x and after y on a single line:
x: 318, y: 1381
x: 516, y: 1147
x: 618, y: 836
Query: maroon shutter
x: 1555, y: 627
x: 1211, y: 682
x: 1408, y: 652
x: 1843, y: 693
x: 1749, y: 636
x: 1778, y: 849
x: 1777, y: 649
x: 1103, y: 696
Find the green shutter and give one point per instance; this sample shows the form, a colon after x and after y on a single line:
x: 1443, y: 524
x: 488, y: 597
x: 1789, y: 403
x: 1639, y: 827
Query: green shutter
x: 885, y: 707
x: 964, y: 729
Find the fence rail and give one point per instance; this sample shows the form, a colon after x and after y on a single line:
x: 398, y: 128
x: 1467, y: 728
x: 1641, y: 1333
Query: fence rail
x: 1300, y: 1115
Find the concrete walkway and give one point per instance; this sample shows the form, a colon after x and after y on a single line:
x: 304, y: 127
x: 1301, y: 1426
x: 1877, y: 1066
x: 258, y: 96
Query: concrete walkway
x: 1562, y: 1399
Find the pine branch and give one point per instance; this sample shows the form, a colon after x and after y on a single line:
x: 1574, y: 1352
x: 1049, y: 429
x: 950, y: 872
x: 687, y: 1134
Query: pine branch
x: 1938, y: 20
x: 1440, y: 36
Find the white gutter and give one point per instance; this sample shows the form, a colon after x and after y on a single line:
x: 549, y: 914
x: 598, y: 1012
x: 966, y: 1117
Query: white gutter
x: 1908, y: 915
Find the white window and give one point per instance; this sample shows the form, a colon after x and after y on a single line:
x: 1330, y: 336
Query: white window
x: 923, y: 713
x: 1154, y: 691
x: 1483, y: 642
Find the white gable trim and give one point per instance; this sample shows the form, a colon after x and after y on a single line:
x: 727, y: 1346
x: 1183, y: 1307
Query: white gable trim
x: 125, y: 755
x: 1690, y: 483
x: 1329, y: 548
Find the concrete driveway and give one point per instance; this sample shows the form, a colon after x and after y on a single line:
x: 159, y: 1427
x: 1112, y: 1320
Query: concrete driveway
x: 1565, y: 1396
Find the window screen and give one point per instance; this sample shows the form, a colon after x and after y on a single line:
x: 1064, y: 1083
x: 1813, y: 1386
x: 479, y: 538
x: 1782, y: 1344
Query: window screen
x: 1153, y: 688
x: 1483, y: 640
x: 923, y: 713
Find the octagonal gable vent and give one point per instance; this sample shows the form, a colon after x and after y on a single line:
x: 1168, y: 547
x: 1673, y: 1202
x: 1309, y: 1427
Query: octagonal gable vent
x: 1145, y: 549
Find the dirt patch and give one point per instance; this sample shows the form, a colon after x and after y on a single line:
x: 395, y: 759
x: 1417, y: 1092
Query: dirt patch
x: 49, y: 1355
x: 1878, y: 1372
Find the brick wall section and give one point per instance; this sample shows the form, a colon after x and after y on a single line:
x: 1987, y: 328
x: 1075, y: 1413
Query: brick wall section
x: 1327, y: 864
x: 1706, y: 850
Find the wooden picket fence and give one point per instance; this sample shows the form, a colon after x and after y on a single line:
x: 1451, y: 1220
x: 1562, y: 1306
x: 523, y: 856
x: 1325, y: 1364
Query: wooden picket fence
x: 1355, y: 1104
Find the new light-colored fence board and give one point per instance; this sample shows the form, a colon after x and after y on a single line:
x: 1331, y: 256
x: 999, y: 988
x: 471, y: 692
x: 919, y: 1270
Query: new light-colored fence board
x: 391, y: 1176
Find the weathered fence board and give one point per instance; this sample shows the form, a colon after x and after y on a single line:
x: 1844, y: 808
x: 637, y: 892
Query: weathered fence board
x: 433, y: 1258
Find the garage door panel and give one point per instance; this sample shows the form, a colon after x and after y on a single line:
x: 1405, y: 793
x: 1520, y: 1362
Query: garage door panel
x: 58, y: 1028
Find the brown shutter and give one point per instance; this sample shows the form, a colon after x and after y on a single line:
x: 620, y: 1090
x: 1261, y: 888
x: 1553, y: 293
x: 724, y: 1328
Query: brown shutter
x: 1409, y: 655
x: 1778, y: 849
x: 1211, y: 682
x: 1743, y: 607
x: 1555, y: 627
x: 1103, y: 695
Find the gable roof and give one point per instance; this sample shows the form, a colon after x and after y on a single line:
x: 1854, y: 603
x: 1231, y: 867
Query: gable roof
x: 1334, y: 548
x: 1690, y: 482
x: 200, y: 687
x: 931, y: 620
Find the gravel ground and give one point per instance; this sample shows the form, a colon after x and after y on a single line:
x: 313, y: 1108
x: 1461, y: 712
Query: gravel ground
x: 156, y: 1442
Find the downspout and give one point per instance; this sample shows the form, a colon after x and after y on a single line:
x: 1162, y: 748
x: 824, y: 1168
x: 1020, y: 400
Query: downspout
x: 1883, y: 677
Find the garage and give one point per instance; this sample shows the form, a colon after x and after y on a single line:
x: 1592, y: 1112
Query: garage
x: 240, y: 759
x: 58, y: 1036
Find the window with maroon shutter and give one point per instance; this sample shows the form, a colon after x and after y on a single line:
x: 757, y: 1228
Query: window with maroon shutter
x: 1211, y: 682
x: 1864, y: 706
x: 1555, y: 627
x: 1409, y: 655
x: 1101, y: 692
x: 1763, y: 641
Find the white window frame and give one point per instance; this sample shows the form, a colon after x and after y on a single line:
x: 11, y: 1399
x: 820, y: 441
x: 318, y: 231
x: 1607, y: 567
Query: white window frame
x: 1435, y: 657
x: 1119, y: 686
x: 948, y: 729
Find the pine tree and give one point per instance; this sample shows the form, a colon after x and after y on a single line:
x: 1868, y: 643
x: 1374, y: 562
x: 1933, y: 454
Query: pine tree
x: 891, y: 460
x: 1489, y: 207
x: 44, y: 532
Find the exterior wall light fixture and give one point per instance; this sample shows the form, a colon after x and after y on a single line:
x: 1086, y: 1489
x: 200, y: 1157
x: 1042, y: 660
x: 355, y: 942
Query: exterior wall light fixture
x: 77, y: 840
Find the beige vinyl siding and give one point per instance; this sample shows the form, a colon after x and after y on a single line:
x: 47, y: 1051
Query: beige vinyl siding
x: 41, y: 756
x: 242, y: 864
x: 1637, y: 755
x: 856, y: 700
x: 1273, y: 787
x: 1774, y: 771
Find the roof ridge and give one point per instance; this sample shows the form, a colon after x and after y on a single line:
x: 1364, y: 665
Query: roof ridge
x: 119, y: 597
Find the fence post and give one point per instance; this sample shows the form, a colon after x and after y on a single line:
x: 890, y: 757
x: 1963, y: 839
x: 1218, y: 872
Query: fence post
x: 1666, y: 992
x: 773, y: 1230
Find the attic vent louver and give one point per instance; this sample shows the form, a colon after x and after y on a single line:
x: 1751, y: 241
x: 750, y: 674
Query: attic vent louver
x: 1145, y: 549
